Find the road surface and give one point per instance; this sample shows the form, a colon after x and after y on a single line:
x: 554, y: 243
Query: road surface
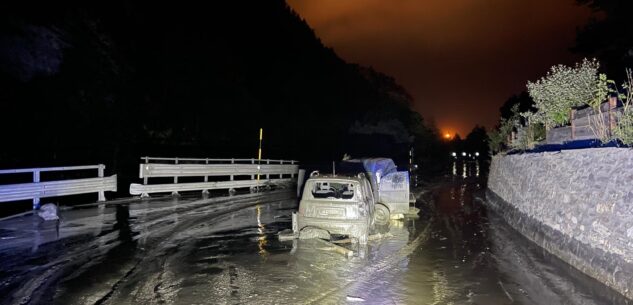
x: 225, y: 251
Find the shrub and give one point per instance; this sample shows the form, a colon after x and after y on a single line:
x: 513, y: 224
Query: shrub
x: 561, y: 89
x: 624, y: 128
x: 496, y: 139
x: 528, y: 132
x: 499, y: 136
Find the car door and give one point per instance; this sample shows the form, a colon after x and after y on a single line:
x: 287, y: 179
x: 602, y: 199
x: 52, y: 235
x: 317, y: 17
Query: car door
x: 394, y: 191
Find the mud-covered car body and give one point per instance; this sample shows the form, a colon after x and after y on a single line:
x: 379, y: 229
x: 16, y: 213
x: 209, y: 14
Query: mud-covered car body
x: 340, y: 205
x: 390, y: 186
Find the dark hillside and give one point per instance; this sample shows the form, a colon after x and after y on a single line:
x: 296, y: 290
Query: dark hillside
x: 113, y: 82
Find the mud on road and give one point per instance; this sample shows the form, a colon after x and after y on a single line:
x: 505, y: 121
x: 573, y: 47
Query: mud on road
x: 226, y: 251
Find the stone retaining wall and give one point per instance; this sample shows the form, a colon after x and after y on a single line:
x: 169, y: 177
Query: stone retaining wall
x: 577, y: 204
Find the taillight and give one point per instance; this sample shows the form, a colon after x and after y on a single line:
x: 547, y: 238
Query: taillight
x: 362, y: 210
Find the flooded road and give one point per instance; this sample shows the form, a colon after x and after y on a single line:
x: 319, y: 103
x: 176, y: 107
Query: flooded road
x: 226, y: 251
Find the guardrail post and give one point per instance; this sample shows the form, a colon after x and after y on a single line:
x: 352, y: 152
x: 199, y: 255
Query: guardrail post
x: 281, y: 162
x: 100, y: 174
x: 145, y: 178
x: 292, y: 162
x: 252, y: 162
x: 206, y: 178
x: 267, y: 175
x: 36, y: 200
x: 175, y: 193
x: 232, y: 162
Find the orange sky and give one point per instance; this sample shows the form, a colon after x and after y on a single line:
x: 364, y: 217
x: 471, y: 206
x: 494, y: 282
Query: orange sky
x: 460, y: 59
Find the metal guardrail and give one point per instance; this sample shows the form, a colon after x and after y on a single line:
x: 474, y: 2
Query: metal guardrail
x: 213, y: 160
x: 154, y: 167
x: 39, y: 189
x: 144, y: 190
x: 208, y: 170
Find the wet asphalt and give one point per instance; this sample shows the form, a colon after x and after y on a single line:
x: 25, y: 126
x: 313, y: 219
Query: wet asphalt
x: 225, y: 251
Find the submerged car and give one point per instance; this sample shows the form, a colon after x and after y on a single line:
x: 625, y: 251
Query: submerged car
x: 340, y: 205
x: 390, y: 186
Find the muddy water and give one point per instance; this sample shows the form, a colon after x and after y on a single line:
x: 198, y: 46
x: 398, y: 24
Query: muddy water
x: 454, y: 253
x: 474, y: 257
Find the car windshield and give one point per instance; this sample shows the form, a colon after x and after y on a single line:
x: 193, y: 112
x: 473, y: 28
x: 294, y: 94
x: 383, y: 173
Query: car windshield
x: 330, y: 189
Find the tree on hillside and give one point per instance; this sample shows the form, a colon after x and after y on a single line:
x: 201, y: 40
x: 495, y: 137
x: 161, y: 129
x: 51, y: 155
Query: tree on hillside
x: 477, y: 141
x: 608, y: 36
x: 524, y: 102
x: 97, y: 83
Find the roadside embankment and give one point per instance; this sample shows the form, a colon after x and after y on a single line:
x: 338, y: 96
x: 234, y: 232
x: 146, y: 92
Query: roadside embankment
x: 576, y: 204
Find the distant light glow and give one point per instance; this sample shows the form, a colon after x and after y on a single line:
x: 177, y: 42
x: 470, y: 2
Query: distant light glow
x: 445, y: 31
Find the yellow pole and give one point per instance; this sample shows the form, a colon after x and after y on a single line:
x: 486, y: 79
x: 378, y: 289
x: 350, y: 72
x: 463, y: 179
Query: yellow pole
x: 259, y: 154
x: 261, y: 133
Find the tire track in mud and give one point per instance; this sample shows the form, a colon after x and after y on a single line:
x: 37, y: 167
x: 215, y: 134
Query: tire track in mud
x: 41, y: 287
x: 114, y: 287
x: 369, y: 271
x: 163, y: 288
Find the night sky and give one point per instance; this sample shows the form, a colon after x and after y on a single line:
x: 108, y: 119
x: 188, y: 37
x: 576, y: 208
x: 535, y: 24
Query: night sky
x: 459, y: 59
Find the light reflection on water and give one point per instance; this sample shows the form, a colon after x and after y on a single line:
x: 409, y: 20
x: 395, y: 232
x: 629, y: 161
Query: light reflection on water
x: 453, y: 254
x: 467, y: 168
x: 261, y: 240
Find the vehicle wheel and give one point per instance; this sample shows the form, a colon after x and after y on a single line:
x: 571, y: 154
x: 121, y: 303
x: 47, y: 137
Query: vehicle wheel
x: 314, y: 232
x: 381, y: 214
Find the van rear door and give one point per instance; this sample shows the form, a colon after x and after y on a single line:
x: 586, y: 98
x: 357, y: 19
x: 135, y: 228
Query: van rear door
x: 393, y: 191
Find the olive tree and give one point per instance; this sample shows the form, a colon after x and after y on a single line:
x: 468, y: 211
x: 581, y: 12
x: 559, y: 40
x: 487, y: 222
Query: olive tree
x: 561, y: 89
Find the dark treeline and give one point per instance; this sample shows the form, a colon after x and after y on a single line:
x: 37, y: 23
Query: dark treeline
x: 609, y: 36
x: 111, y: 82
